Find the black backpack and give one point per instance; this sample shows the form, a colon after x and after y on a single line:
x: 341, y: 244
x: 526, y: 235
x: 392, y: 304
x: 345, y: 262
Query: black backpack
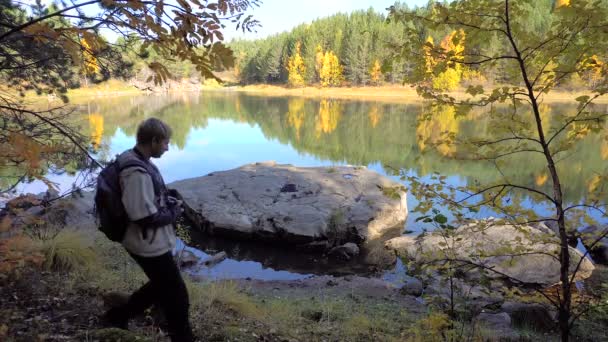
x: 112, y: 217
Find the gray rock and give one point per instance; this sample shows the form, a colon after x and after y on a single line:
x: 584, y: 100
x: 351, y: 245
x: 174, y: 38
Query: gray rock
x: 498, y: 323
x: 530, y: 316
x: 412, y: 287
x: 345, y: 252
x: 483, y: 243
x: 186, y: 258
x: 598, y: 249
x: 215, y: 259
x: 293, y: 205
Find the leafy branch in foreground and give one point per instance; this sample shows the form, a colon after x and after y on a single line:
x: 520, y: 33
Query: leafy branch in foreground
x: 535, y: 62
x: 49, y: 49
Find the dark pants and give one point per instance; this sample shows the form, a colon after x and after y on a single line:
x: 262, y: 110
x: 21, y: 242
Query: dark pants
x: 167, y: 289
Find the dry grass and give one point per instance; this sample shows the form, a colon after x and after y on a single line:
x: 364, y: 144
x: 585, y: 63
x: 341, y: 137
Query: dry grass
x: 213, y: 298
x: 392, y: 94
x: 68, y: 251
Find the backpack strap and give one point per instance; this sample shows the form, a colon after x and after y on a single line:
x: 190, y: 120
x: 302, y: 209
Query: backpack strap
x: 150, y: 169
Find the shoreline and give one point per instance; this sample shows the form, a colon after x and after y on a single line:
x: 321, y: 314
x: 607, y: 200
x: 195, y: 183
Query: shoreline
x: 386, y: 94
x: 392, y: 94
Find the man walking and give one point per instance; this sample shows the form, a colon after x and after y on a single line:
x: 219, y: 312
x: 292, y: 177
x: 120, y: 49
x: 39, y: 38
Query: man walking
x: 150, y: 236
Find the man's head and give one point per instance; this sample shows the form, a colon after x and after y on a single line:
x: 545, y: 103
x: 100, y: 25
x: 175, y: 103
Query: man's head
x: 153, y: 137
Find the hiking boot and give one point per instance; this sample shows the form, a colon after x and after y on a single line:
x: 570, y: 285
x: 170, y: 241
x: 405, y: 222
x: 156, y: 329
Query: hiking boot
x: 115, y: 318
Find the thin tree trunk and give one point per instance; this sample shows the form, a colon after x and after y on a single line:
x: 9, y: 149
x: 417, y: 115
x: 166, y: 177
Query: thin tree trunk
x: 564, y: 255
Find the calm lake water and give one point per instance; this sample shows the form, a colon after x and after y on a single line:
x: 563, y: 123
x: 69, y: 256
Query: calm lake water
x: 224, y: 130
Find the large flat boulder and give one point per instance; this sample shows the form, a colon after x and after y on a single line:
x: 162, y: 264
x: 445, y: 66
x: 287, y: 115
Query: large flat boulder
x: 523, y: 253
x: 326, y: 206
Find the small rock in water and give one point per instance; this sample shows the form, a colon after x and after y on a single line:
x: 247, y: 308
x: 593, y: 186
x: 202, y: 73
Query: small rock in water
x: 215, y: 259
x: 345, y: 252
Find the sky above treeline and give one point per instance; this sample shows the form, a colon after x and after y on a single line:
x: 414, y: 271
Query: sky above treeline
x: 277, y: 16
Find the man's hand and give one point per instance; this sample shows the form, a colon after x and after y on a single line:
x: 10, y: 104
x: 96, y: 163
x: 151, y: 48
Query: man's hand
x: 175, y: 203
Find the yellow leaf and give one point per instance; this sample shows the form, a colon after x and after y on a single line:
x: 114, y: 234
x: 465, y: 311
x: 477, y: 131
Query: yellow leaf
x: 594, y: 183
x: 541, y: 179
x: 41, y: 31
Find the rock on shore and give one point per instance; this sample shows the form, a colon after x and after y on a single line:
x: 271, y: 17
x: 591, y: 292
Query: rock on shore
x: 321, y: 207
x: 522, y: 253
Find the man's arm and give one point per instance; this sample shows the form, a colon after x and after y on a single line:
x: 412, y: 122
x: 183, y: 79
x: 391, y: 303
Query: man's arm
x: 138, y: 200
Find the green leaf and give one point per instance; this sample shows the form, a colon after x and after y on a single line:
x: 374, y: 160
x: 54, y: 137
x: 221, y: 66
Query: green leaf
x: 439, y: 218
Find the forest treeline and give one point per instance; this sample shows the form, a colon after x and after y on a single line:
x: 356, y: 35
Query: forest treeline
x: 359, y: 49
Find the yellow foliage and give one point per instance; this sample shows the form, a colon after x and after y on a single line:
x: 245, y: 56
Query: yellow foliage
x: 374, y: 116
x: 578, y: 131
x: 296, y: 68
x: 604, y: 149
x: 594, y: 183
x: 429, y: 60
x: 96, y: 126
x: 541, y: 179
x: 319, y: 60
x: 296, y: 114
x: 453, y: 49
x: 447, y: 80
x: 91, y: 65
x: 432, y: 131
x: 331, y: 71
x: 330, y: 113
x: 594, y: 69
x: 473, y: 76
x: 562, y: 3
x: 375, y: 73
x: 453, y: 44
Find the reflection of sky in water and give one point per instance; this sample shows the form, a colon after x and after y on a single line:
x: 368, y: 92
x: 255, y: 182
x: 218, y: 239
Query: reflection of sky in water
x: 232, y: 269
x: 226, y: 144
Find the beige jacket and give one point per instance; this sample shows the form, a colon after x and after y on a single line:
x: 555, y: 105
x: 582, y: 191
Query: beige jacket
x: 140, y: 201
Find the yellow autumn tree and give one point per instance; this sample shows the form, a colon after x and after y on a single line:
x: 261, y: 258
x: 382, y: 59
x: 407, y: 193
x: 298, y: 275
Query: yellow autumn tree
x: 331, y: 71
x: 96, y: 127
x: 90, y: 65
x: 296, y: 68
x: 593, y: 70
x: 374, y: 115
x: 452, y: 47
x: 562, y: 3
x: 436, y: 129
x: 375, y: 73
x: 296, y: 115
x: 429, y: 60
x: 329, y: 115
x: 319, y: 61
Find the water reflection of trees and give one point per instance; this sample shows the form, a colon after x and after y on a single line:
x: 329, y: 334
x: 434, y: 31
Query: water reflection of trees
x: 359, y: 132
